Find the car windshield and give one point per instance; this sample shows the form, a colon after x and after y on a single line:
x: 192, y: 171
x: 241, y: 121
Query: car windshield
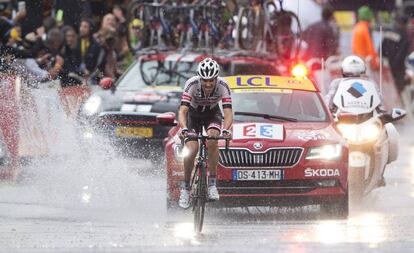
x: 252, y: 69
x: 153, y: 72
x: 157, y: 73
x: 294, y: 106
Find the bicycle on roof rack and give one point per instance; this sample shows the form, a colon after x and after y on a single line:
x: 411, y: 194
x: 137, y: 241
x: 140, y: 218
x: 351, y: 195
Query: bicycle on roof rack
x: 267, y: 27
x: 179, y: 24
x: 260, y: 27
x: 156, y: 24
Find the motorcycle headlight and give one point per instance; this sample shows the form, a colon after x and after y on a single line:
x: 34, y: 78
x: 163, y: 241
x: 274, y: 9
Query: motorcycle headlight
x: 325, y: 152
x: 360, y: 133
x: 92, y: 105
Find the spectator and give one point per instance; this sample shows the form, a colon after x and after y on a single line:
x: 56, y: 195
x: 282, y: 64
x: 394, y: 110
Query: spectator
x: 89, y: 47
x: 7, y: 24
x: 51, y: 58
x: 72, y: 59
x: 47, y: 24
x: 108, y: 24
x: 37, y: 68
x: 322, y: 37
x: 137, y: 38
x: 121, y: 30
x: 396, y: 47
x: 362, y: 42
x: 107, y: 56
x: 15, y: 37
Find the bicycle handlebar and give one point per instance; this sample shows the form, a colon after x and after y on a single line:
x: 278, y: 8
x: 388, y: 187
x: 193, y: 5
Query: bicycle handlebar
x: 195, y: 137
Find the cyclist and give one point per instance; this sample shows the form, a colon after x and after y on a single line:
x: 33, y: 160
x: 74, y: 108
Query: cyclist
x: 200, y: 108
x: 352, y: 67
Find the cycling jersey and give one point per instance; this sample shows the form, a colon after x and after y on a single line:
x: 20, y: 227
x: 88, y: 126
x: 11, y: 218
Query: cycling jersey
x: 195, y: 96
x: 210, y: 119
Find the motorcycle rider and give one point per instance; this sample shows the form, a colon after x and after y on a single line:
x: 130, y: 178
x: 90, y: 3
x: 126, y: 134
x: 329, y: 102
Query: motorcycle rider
x: 200, y: 108
x: 352, y: 67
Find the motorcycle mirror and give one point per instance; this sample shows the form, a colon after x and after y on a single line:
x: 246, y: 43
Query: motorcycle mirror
x: 167, y: 119
x: 394, y: 115
x: 397, y: 114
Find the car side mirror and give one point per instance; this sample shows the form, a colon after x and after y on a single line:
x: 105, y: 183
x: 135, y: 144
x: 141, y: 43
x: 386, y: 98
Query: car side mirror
x: 167, y: 119
x: 106, y: 83
x: 394, y: 115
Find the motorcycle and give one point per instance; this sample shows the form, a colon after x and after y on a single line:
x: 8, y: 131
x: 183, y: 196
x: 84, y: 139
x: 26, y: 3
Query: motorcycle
x: 371, y: 135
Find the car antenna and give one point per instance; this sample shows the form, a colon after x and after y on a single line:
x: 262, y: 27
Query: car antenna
x: 380, y: 66
x: 298, y: 41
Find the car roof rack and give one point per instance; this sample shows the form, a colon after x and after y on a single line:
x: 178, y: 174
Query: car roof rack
x: 246, y: 53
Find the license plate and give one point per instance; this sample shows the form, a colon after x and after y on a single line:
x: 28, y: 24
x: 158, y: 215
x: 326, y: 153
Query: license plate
x: 143, y: 132
x: 251, y: 175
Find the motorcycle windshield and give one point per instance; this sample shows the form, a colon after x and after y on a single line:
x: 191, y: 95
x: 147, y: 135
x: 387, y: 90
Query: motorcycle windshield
x: 356, y: 96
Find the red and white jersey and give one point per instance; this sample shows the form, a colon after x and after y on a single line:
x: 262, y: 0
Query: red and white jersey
x: 195, y: 96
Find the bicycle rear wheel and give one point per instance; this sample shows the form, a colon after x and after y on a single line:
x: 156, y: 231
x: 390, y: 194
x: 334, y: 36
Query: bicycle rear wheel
x: 200, y: 198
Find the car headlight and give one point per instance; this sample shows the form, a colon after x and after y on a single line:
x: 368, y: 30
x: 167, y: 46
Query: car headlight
x: 325, y: 152
x: 360, y: 133
x: 92, y: 105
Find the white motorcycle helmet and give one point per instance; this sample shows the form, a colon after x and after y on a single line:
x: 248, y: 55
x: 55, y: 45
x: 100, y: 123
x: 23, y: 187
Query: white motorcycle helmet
x: 353, y: 66
x: 208, y: 69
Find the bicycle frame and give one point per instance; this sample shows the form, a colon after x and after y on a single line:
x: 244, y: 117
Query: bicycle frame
x: 198, y: 183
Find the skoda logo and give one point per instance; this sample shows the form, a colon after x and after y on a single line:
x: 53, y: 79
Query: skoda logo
x: 258, y: 145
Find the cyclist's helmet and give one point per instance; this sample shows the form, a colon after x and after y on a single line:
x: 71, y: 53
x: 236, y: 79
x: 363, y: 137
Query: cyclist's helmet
x: 353, y: 66
x: 208, y: 69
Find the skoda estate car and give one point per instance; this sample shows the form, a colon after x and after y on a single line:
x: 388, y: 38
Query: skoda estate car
x: 284, y: 151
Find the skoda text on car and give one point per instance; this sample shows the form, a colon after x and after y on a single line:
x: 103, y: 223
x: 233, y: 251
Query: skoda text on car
x: 284, y: 151
x: 126, y: 112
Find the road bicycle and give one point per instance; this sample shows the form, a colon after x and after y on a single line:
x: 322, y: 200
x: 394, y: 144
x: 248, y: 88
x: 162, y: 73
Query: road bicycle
x: 267, y: 27
x: 198, y: 183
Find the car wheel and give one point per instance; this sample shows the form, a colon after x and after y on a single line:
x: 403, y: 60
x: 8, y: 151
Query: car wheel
x: 338, y: 210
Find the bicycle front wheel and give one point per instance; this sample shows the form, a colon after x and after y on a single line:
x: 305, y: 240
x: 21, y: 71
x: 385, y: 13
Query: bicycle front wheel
x: 200, y: 199
x: 199, y: 210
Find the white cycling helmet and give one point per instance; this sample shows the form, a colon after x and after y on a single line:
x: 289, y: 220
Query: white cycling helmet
x: 353, y: 66
x: 208, y: 69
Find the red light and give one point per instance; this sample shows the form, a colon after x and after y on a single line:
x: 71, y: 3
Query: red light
x: 299, y: 70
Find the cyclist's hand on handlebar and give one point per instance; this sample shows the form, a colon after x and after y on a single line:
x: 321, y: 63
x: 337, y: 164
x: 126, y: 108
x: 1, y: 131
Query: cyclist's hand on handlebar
x: 226, y: 133
x: 184, y: 133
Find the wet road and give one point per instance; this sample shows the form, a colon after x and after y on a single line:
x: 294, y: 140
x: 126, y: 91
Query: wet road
x: 107, y: 203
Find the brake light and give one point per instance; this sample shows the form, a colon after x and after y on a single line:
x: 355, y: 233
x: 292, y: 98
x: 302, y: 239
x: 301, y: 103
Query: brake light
x: 299, y: 70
